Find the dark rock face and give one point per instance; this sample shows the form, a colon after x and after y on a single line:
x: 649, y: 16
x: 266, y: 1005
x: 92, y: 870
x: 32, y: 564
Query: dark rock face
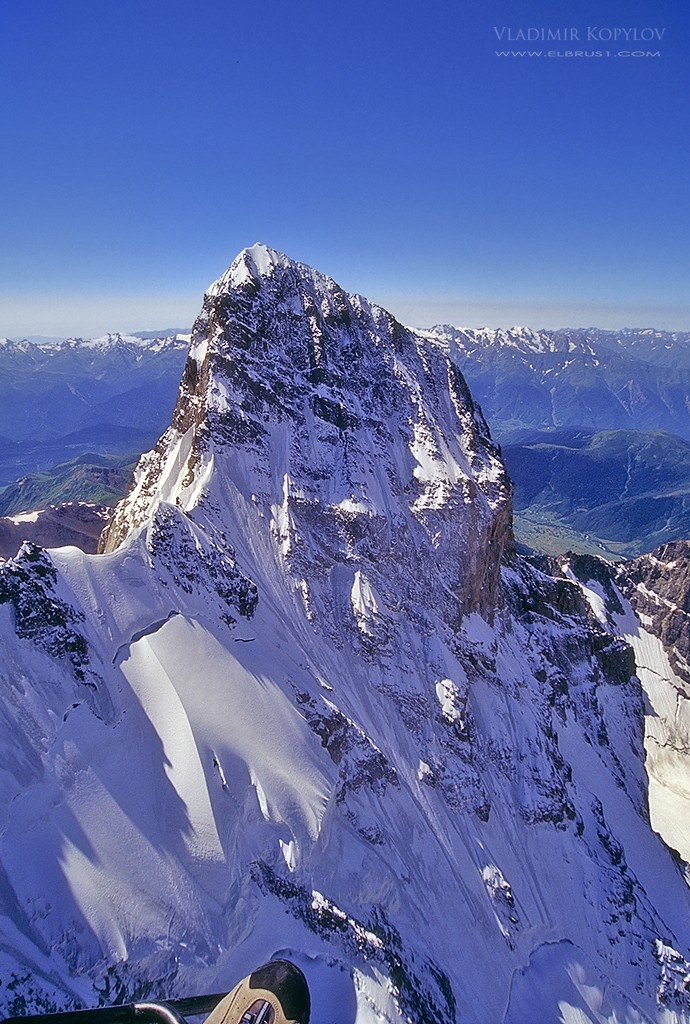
x: 40, y: 615
x: 195, y: 566
x: 30, y: 585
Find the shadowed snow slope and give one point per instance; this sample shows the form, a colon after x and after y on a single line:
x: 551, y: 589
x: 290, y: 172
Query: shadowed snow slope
x: 308, y: 702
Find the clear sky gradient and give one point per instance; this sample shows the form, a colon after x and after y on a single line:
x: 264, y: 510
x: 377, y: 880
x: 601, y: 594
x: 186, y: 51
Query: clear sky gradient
x: 146, y: 142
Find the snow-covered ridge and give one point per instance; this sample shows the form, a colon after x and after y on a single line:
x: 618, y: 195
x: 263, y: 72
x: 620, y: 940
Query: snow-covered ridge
x: 309, y: 702
x: 590, y: 341
x: 575, y: 379
x: 103, y: 343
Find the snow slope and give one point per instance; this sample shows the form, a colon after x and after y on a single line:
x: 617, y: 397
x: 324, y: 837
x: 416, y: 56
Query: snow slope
x: 309, y: 702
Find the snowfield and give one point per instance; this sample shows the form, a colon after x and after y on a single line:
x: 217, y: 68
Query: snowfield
x: 308, y: 702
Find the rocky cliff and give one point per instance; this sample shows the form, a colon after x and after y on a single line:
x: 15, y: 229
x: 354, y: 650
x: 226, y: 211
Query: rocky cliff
x: 309, y: 701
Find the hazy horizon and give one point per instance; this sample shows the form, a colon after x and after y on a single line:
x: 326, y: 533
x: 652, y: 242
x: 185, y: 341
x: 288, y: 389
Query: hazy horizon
x: 90, y: 317
x: 397, y: 149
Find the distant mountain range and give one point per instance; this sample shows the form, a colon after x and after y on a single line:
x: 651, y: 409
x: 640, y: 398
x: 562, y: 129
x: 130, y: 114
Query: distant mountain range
x: 588, y: 379
x: 50, y: 392
x: 595, y: 431
x: 56, y: 339
x: 67, y: 406
x: 594, y: 425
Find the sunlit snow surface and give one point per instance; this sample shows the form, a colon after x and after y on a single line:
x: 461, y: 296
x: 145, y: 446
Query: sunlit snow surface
x: 667, y: 737
x: 308, y: 719
x: 667, y: 724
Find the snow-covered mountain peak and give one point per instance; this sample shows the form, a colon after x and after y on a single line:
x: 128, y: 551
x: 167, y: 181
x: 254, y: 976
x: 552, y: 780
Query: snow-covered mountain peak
x: 260, y: 263
x: 339, y: 429
x: 256, y: 261
x: 301, y: 706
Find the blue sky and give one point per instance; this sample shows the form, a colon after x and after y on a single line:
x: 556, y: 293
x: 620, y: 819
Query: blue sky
x: 145, y: 143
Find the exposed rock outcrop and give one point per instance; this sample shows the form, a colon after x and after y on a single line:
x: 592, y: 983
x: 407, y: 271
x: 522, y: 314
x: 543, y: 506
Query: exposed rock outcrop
x: 309, y: 701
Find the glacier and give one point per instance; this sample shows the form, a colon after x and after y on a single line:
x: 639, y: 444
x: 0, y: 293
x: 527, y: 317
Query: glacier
x: 309, y: 701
